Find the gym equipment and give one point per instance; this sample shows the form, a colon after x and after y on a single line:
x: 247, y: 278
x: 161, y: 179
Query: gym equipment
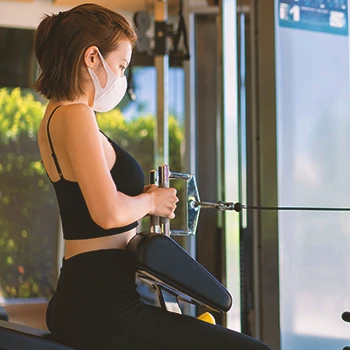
x: 166, y: 266
x: 162, y: 263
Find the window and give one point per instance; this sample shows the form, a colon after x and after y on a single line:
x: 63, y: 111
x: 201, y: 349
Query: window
x: 29, y: 220
x: 28, y: 210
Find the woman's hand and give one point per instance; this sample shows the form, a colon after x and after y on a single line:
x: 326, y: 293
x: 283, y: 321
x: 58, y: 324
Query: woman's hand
x: 164, y: 201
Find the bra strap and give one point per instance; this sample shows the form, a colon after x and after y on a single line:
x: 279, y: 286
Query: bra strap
x: 53, y: 154
x: 105, y: 135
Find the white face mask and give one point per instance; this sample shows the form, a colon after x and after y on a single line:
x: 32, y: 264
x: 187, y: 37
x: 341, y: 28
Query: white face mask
x: 106, y: 98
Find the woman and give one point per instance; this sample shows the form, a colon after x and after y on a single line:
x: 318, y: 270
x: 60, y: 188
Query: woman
x: 83, y: 54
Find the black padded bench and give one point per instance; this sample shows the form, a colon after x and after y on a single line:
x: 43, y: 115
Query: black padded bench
x: 166, y: 263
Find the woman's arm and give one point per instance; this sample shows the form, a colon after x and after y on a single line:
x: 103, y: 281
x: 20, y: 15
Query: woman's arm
x: 108, y: 207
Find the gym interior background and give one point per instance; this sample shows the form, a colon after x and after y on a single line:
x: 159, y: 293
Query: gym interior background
x: 256, y: 105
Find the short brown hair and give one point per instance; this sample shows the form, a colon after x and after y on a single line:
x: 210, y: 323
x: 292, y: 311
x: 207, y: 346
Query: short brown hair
x: 61, y: 40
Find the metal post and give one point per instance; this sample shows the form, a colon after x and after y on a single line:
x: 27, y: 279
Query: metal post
x: 164, y: 174
x: 161, y: 59
x: 154, y: 220
x: 229, y: 158
x: 190, y: 114
x: 264, y: 146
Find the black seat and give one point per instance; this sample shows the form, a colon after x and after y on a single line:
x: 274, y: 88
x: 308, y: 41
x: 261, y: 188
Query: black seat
x: 160, y: 258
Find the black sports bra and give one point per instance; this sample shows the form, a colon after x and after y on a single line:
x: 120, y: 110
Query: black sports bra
x: 76, y: 220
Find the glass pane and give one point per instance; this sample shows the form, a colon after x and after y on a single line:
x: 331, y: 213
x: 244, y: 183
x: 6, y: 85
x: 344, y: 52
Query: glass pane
x: 230, y: 148
x: 28, y: 210
x: 312, y: 58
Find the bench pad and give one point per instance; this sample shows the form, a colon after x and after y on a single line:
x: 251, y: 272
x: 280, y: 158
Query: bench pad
x: 164, y: 259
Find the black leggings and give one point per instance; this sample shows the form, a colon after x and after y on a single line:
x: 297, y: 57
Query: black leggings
x: 96, y: 306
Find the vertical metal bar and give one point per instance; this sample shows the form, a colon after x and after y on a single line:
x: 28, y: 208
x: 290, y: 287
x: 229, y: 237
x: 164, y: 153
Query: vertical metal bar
x: 164, y: 175
x: 190, y: 94
x: 242, y: 116
x: 190, y: 123
x: 161, y: 146
x: 253, y: 197
x: 254, y: 172
x: 268, y: 249
x: 230, y: 148
x: 154, y: 220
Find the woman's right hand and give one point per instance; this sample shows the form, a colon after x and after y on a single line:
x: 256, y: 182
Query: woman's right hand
x: 164, y: 201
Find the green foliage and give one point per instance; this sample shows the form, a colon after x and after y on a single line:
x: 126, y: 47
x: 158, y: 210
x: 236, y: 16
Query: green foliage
x: 19, y: 115
x: 28, y: 213
x: 137, y: 137
x: 28, y: 209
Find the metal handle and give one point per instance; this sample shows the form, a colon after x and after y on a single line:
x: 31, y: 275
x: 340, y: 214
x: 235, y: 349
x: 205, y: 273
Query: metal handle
x: 192, y: 212
x: 154, y: 220
x: 164, y: 176
x: 160, y: 178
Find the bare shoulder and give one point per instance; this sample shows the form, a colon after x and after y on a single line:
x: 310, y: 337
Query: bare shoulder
x: 73, y: 131
x: 79, y: 122
x: 75, y: 115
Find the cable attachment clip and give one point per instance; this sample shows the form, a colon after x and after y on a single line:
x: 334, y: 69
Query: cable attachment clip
x: 220, y: 205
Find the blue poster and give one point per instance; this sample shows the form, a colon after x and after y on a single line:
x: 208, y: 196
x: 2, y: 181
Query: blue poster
x: 328, y: 16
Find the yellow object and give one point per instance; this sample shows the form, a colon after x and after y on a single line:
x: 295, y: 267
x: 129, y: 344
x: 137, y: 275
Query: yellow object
x: 207, y: 317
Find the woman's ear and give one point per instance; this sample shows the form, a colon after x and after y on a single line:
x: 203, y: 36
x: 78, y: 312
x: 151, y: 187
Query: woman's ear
x: 90, y: 56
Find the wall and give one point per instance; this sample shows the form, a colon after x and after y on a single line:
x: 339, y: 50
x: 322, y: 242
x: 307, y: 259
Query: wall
x: 28, y: 14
